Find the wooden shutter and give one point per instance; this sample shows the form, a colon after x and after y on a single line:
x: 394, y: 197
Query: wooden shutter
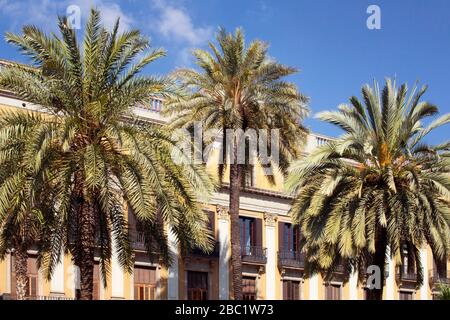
x: 96, y: 282
x: 296, y: 288
x: 131, y: 219
x: 144, y: 275
x: 258, y: 233
x: 296, y: 244
x: 197, y: 285
x: 144, y: 283
x: 280, y: 236
x: 32, y: 276
x: 212, y: 223
x: 13, y: 279
x: 249, y: 288
x: 406, y: 295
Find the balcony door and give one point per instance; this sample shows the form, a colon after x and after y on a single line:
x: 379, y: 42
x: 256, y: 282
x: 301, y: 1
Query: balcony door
x: 248, y: 234
x: 197, y: 285
x: 333, y: 291
x: 406, y: 295
x: 439, y: 269
x: 144, y: 283
x: 291, y: 290
x: 96, y: 282
x: 248, y: 288
x: 32, y: 278
x: 289, y: 240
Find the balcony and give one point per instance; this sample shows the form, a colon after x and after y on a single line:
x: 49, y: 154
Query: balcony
x: 405, y: 276
x: 7, y: 296
x: 291, y: 260
x: 155, y: 105
x: 197, y: 252
x: 437, y: 279
x: 137, y: 241
x: 254, y: 255
x: 339, y: 269
x: 51, y: 298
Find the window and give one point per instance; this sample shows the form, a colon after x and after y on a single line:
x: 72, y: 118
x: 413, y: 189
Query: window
x: 144, y: 283
x: 96, y: 282
x: 291, y: 237
x: 249, y: 177
x: 32, y: 277
x: 248, y: 288
x: 247, y: 226
x: 333, y: 291
x: 406, y: 295
x: 291, y: 290
x: 440, y: 268
x: 197, y: 285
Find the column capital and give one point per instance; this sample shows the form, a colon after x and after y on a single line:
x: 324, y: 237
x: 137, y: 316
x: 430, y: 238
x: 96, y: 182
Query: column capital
x: 270, y: 219
x: 222, y: 212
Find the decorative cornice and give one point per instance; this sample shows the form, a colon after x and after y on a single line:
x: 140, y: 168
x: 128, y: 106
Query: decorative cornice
x: 270, y: 219
x: 222, y: 212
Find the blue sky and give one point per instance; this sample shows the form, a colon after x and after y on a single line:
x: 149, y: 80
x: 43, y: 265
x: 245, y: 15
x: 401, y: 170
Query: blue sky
x: 326, y: 39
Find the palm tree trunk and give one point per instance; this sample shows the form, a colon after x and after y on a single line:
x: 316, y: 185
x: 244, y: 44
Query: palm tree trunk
x: 85, y: 240
x: 86, y: 258
x: 379, y: 259
x: 20, y: 267
x: 236, y: 261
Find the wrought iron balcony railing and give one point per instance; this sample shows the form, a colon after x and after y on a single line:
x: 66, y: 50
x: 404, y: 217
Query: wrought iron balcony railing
x: 254, y: 254
x: 436, y: 278
x: 200, y: 253
x: 155, y: 105
x: 137, y: 240
x: 403, y: 275
x: 291, y: 259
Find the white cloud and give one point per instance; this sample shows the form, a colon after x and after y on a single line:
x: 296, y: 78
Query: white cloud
x: 110, y: 11
x: 176, y: 23
x: 44, y: 13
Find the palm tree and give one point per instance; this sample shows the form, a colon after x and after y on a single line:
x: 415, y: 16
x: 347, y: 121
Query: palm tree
x: 239, y: 87
x: 444, y: 292
x: 21, y: 189
x: 378, y: 186
x: 97, y: 153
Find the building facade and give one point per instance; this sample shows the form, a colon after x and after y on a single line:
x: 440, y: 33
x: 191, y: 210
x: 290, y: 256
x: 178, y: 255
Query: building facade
x: 273, y: 267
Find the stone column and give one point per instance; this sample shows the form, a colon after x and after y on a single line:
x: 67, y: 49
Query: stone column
x: 117, y: 276
x: 223, y: 218
x: 270, y: 225
x: 390, y: 280
x: 424, y: 261
x: 57, y: 281
x: 172, y: 281
x: 353, y: 284
x: 314, y: 287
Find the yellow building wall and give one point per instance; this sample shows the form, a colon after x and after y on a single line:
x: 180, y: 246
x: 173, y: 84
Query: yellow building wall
x: 3, y: 276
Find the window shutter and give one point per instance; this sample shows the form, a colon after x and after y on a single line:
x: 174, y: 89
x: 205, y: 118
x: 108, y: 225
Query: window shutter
x: 280, y: 236
x: 258, y: 233
x: 131, y: 220
x: 285, y: 290
x: 296, y: 238
x: 212, y: 223
x: 32, y: 265
x: 13, y: 278
x: 297, y: 290
x: 96, y: 282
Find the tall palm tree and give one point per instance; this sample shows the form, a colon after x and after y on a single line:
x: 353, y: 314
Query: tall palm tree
x: 239, y: 87
x: 98, y: 154
x: 378, y: 186
x: 25, y: 204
